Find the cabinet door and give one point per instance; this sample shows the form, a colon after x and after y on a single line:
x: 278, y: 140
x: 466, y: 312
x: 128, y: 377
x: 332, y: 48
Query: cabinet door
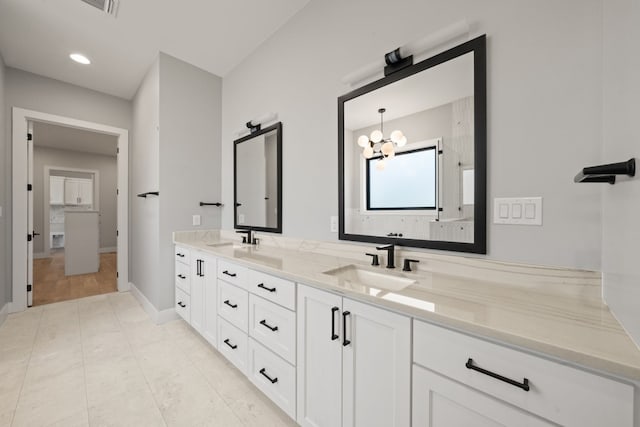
x: 56, y: 190
x: 85, y: 192
x: 210, y: 325
x: 441, y: 402
x: 376, y: 365
x: 197, y: 292
x: 319, y: 370
x: 71, y: 191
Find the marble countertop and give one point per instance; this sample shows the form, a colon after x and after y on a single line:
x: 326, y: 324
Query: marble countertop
x: 557, y: 313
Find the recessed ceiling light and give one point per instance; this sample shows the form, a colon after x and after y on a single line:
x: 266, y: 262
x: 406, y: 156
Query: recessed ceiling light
x: 80, y: 59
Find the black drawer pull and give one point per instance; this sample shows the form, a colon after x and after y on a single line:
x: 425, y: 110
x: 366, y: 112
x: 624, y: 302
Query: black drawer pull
x: 230, y: 305
x: 345, y: 341
x: 264, y: 374
x: 261, y: 285
x: 181, y: 304
x: 264, y: 323
x: 523, y: 385
x: 233, y: 346
x: 182, y: 276
x: 180, y: 255
x: 229, y: 274
x: 334, y: 336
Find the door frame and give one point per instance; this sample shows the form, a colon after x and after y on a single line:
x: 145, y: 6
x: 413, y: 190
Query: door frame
x: 20, y: 117
x: 46, y: 248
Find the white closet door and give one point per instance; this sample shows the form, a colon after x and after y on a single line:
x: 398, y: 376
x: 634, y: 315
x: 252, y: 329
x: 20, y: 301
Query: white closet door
x: 30, y: 230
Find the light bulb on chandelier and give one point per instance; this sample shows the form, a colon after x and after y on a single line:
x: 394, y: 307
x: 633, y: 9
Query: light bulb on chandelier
x: 377, y: 143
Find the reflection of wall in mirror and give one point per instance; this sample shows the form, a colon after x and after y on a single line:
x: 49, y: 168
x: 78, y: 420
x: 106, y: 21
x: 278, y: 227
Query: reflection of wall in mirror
x: 454, y: 123
x: 271, y: 170
x: 251, y: 183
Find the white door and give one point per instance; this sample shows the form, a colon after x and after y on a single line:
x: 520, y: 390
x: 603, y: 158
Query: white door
x: 30, y: 231
x: 376, y: 367
x: 71, y: 191
x: 441, y: 402
x: 85, y: 192
x: 56, y: 190
x: 197, y: 291
x: 319, y: 370
x: 208, y: 269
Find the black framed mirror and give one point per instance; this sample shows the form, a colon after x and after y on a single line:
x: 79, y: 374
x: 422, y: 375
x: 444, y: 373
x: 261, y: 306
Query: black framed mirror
x: 412, y: 154
x: 257, y: 180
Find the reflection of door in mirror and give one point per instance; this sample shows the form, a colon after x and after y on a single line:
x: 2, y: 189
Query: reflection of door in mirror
x: 256, y: 162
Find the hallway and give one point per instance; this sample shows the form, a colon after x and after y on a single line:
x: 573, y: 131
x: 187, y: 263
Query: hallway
x: 51, y: 285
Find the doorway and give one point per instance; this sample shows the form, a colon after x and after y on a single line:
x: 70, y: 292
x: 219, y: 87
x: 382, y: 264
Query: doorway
x: 25, y: 121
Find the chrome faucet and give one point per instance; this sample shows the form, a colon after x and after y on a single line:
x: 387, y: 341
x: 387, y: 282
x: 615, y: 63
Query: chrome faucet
x: 248, y: 238
x: 390, y: 254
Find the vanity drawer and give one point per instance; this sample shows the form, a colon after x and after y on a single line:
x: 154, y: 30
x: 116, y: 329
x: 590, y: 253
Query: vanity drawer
x: 233, y: 305
x: 559, y: 393
x: 280, y: 291
x: 232, y: 273
x: 183, y: 277
x: 232, y: 343
x: 182, y: 255
x: 183, y: 305
x: 273, y: 376
x: 273, y: 326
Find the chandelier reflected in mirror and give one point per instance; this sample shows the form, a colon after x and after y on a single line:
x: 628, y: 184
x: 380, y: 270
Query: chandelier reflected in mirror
x: 377, y: 144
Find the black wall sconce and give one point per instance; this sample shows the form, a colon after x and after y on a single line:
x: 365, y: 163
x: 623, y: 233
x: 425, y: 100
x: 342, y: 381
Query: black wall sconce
x: 606, y: 173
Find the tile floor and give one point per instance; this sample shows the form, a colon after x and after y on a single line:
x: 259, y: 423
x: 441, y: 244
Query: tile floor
x: 100, y: 361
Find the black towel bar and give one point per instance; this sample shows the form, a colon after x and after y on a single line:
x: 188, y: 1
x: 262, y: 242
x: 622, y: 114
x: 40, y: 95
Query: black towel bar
x: 211, y: 204
x: 149, y: 193
x: 606, y: 173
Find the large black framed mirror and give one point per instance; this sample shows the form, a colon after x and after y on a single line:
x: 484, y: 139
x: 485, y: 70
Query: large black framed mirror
x: 412, y: 154
x: 257, y: 180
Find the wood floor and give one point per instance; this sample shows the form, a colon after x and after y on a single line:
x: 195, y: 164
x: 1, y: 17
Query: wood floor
x: 51, y: 285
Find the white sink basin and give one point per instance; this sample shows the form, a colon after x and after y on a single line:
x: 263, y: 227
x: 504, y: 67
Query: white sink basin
x: 223, y: 244
x: 356, y: 275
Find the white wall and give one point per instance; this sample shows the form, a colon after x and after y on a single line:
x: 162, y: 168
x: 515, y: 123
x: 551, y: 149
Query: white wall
x: 145, y: 212
x: 544, y: 110
x: 107, y: 169
x: 5, y: 185
x: 621, y: 141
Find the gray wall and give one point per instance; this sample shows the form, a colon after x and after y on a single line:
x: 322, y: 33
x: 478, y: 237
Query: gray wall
x: 145, y: 212
x: 108, y: 175
x: 621, y: 202
x: 539, y: 115
x: 177, y: 113
x: 33, y: 92
x: 5, y: 186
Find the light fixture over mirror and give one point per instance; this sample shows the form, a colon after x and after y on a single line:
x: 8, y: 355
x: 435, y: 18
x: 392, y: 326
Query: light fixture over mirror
x: 416, y: 174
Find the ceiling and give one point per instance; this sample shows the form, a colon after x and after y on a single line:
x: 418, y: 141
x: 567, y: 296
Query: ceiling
x: 215, y: 35
x: 66, y: 138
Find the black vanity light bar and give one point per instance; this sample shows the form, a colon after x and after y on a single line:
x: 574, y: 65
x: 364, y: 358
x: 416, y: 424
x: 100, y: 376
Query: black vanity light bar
x: 606, y: 173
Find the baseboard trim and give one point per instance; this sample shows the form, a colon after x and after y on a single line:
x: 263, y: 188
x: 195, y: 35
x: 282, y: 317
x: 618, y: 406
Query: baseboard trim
x: 107, y: 250
x: 4, y: 312
x: 157, y: 316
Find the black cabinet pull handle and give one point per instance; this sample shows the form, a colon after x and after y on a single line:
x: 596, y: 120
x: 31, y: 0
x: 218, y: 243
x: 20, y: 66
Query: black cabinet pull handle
x: 182, y: 276
x: 261, y: 285
x: 233, y: 346
x: 229, y: 274
x: 264, y: 323
x: 523, y: 385
x: 264, y: 374
x: 180, y: 255
x: 345, y: 341
x: 181, y: 304
x: 230, y: 305
x: 334, y: 336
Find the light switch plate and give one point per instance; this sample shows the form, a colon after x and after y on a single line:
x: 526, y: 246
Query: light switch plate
x: 517, y: 210
x: 334, y: 224
x: 196, y: 219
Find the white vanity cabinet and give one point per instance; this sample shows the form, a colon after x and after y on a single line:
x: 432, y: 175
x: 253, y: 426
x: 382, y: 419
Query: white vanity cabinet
x: 204, y: 295
x: 183, y: 283
x: 459, y: 380
x: 354, y: 363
